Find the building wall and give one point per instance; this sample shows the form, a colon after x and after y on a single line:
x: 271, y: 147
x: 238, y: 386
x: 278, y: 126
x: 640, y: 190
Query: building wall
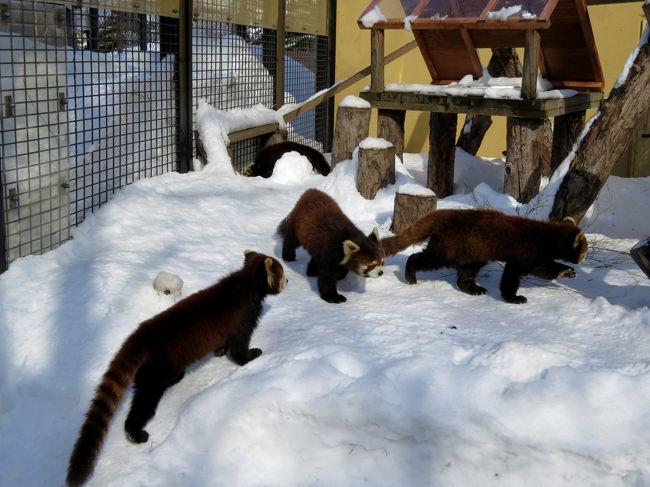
x: 617, y: 29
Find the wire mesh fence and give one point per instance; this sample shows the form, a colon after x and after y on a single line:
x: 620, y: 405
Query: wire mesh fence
x: 93, y: 97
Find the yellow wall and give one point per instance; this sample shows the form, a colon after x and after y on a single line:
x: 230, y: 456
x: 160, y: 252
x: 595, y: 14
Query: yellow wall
x: 617, y: 30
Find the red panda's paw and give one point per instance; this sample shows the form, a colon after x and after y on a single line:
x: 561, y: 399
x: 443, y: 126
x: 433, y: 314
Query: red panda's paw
x: 516, y: 299
x: 137, y: 436
x: 475, y: 290
x: 334, y: 298
x: 253, y: 353
x: 570, y: 273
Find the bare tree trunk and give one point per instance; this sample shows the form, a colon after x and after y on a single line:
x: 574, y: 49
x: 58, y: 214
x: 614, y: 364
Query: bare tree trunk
x: 504, y: 62
x: 606, y: 140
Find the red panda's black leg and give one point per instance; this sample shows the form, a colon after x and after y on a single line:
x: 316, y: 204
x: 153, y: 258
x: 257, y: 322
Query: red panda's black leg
x: 467, y: 279
x: 239, y: 342
x: 327, y: 277
x: 553, y: 270
x: 221, y: 351
x: 150, y: 383
x: 312, y: 267
x: 289, y: 244
x: 510, y: 284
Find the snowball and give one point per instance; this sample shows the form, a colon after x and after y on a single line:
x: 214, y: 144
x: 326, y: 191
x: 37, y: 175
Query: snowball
x: 292, y: 168
x: 168, y: 283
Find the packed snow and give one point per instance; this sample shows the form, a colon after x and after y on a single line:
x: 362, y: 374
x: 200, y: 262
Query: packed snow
x: 401, y: 385
x: 351, y: 101
x: 375, y: 143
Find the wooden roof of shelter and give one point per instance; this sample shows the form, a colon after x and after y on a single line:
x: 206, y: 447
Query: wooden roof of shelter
x: 448, y: 32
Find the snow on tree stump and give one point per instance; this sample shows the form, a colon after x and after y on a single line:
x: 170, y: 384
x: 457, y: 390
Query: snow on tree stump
x: 376, y: 166
x: 412, y: 202
x: 168, y: 284
x: 641, y: 255
x: 352, y: 126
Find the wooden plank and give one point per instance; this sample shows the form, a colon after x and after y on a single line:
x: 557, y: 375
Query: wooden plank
x: 457, y: 23
x: 347, y: 82
x: 376, y: 60
x: 531, y: 65
x: 536, y: 108
x: 588, y: 34
x: 251, y: 132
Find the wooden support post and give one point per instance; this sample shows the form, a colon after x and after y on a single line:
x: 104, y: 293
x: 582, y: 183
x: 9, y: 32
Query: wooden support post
x: 525, y: 152
x: 531, y: 65
x: 442, y: 153
x: 566, y: 130
x: 390, y: 126
x: 376, y: 60
x: 376, y: 167
x: 646, y: 10
x: 352, y: 126
x: 410, y: 206
x: 641, y: 254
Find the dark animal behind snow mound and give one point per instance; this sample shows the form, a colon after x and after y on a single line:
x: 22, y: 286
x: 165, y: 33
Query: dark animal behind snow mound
x: 219, y: 319
x: 269, y: 155
x: 467, y: 239
x: 335, y: 244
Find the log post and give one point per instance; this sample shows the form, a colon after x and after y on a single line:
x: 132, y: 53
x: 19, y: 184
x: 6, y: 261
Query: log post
x: 531, y: 65
x: 566, y: 130
x: 376, y: 166
x: 352, y: 126
x: 390, y: 126
x: 524, y: 157
x: 376, y: 60
x: 442, y: 153
x: 411, y: 203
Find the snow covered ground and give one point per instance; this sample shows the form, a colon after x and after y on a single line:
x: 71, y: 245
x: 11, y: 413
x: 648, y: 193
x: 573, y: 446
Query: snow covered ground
x: 399, y: 386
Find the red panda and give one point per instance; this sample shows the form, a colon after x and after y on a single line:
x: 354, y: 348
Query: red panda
x: 269, y: 155
x: 218, y: 319
x: 335, y: 244
x: 468, y: 239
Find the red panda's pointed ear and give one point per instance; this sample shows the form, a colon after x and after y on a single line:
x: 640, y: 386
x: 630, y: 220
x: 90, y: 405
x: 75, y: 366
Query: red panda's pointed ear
x: 374, y: 235
x: 248, y: 255
x: 349, y: 248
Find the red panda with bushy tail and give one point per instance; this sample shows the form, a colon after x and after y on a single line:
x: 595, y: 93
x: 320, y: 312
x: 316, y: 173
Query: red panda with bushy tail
x: 467, y: 239
x: 335, y: 244
x: 219, y: 319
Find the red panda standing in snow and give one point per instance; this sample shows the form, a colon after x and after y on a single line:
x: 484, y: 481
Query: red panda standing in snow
x: 335, y: 244
x: 467, y: 239
x: 219, y: 319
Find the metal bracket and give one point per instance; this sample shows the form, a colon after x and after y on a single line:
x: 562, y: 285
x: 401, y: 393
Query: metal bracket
x: 63, y: 102
x: 14, y: 201
x: 9, y: 106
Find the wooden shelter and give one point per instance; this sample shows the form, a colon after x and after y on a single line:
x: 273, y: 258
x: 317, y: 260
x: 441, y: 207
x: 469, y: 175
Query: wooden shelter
x: 558, y: 42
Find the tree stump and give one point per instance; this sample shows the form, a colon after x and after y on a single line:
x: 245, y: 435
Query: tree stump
x: 411, y: 203
x: 442, y: 153
x: 352, y: 126
x: 390, y: 126
x: 524, y: 159
x: 376, y: 166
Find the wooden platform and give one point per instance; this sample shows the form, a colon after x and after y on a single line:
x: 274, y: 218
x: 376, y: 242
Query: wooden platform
x: 535, y: 108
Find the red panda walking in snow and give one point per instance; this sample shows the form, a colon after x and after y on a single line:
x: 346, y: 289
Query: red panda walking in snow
x: 335, y: 244
x: 467, y: 239
x: 219, y: 319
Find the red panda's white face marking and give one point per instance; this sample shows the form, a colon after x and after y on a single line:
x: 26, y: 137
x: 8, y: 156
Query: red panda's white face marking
x: 373, y: 269
x: 275, y: 275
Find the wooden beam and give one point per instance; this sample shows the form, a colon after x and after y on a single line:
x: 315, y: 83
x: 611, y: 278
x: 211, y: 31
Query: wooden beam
x: 536, y: 108
x: 251, y: 132
x: 376, y: 60
x: 347, y: 82
x: 531, y: 65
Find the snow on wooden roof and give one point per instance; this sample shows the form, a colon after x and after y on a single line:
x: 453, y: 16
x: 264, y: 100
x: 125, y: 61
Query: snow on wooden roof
x: 448, y: 32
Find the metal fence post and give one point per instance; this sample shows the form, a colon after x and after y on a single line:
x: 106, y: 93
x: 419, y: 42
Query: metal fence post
x: 3, y: 241
x: 279, y: 53
x: 185, y: 85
